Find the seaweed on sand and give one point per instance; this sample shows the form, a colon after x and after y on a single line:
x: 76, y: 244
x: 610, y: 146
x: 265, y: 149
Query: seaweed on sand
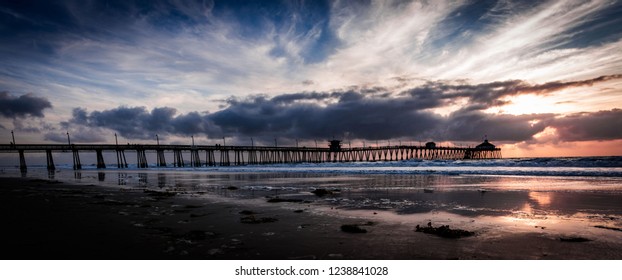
x: 353, y: 229
x: 321, y: 192
x: 444, y: 231
x: 251, y: 219
x: 609, y: 228
x: 574, y: 239
x: 277, y: 199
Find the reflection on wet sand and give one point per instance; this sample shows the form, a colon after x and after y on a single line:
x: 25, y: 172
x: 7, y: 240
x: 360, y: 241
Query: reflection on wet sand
x: 558, y: 206
x: 543, y: 199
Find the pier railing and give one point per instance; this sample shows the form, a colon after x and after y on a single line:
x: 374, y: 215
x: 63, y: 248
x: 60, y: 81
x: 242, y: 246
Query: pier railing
x: 220, y: 155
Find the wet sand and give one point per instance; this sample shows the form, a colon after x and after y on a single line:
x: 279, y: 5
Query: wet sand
x: 48, y: 219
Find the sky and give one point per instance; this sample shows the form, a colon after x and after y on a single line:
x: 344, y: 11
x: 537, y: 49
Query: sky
x: 537, y: 78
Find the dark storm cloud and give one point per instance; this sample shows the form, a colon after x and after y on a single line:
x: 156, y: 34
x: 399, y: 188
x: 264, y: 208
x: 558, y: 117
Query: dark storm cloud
x: 352, y: 113
x: 23, y: 106
x: 138, y: 122
x: 486, y: 95
x: 361, y: 113
x: 465, y: 125
x: 314, y: 96
x: 555, y: 86
x: 601, y: 125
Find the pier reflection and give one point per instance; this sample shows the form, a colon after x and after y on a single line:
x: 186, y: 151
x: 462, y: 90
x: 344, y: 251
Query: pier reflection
x: 142, y: 179
x: 121, y: 178
x: 403, y: 194
x: 161, y: 180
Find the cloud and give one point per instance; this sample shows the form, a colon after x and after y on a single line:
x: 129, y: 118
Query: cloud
x: 360, y: 113
x: 485, y: 95
x: 601, y: 125
x: 171, y: 52
x: 311, y: 69
x: 138, y: 122
x: 466, y: 125
x: 356, y: 114
x: 78, y: 134
x: 23, y: 106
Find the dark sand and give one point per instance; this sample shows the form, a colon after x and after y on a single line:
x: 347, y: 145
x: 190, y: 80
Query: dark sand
x: 45, y: 219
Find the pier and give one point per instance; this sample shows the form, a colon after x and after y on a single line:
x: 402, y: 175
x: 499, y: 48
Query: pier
x: 221, y: 155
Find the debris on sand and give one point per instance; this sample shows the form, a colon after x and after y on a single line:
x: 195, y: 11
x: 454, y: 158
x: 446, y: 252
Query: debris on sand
x: 254, y: 220
x: 299, y: 211
x: 428, y: 190
x: 247, y: 212
x: 353, y: 229
x: 444, y: 231
x: 610, y: 228
x: 574, y: 239
x: 277, y: 199
x: 232, y: 188
x: 321, y: 192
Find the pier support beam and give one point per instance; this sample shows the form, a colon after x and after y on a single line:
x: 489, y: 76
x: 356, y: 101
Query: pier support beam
x: 22, y: 161
x: 210, y: 158
x: 121, y: 161
x: 161, y: 159
x: 239, y: 159
x: 178, y: 158
x: 252, y: 157
x: 194, y: 158
x: 50, y: 160
x: 141, y: 158
x: 77, y: 165
x: 100, y: 159
x: 224, y: 158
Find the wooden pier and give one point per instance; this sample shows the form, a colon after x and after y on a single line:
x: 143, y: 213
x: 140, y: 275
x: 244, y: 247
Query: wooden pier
x: 220, y: 155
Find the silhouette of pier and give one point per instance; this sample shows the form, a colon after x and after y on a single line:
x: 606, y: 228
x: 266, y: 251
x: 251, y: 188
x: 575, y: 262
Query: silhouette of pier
x: 221, y: 155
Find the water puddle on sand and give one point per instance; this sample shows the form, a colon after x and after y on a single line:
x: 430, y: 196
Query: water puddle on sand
x: 580, y: 225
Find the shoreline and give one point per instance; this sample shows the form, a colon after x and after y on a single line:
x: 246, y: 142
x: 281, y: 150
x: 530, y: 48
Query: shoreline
x: 55, y: 220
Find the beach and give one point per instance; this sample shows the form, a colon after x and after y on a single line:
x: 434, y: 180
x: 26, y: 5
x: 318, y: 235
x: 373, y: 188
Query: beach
x: 210, y: 215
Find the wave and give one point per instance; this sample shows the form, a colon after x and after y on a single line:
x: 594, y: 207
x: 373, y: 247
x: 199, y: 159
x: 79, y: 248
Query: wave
x: 571, y: 166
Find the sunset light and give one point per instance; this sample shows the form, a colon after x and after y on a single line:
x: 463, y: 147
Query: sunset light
x: 433, y: 65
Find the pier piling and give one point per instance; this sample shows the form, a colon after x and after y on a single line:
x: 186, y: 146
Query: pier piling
x: 100, y: 159
x: 77, y: 165
x: 22, y: 161
x: 50, y: 160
